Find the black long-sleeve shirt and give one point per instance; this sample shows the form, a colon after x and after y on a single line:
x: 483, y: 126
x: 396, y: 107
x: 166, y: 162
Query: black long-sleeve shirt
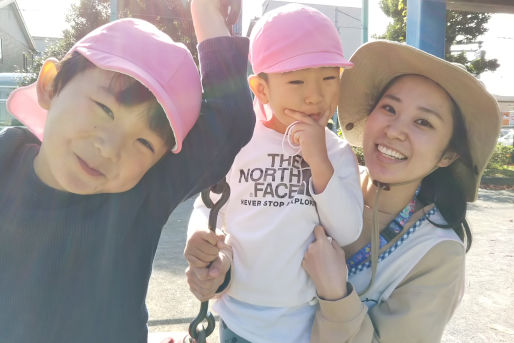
x: 75, y: 268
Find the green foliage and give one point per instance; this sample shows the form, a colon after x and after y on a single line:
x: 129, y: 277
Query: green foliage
x: 356, y: 150
x: 501, y: 157
x: 168, y: 15
x: 461, y: 28
x: 359, y: 154
x: 397, y: 10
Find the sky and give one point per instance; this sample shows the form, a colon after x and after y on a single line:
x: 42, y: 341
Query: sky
x: 47, y: 18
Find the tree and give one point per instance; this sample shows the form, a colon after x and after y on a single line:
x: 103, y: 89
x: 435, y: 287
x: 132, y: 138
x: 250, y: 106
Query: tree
x: 168, y: 15
x: 462, y: 28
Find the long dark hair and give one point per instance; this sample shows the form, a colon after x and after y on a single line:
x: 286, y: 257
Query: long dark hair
x: 440, y: 188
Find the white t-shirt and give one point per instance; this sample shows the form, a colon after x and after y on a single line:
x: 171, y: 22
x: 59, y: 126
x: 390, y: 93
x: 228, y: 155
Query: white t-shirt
x: 270, y: 218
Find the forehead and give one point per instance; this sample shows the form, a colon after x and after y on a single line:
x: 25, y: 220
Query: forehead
x: 417, y: 89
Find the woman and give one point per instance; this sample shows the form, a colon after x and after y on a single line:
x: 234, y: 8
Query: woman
x: 427, y: 129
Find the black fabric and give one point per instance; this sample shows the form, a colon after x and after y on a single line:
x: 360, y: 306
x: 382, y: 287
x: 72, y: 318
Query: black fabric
x: 76, y: 268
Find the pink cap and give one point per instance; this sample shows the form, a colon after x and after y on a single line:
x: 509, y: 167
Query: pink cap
x: 138, y: 49
x: 294, y: 37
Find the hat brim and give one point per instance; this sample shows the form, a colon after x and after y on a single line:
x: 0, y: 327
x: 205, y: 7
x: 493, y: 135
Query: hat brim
x: 377, y: 63
x: 308, y: 60
x: 23, y: 104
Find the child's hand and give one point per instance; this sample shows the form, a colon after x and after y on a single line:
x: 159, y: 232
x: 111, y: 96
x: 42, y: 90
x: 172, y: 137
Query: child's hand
x: 201, y: 248
x: 325, y: 263
x: 209, y: 259
x: 310, y: 135
x: 208, y: 20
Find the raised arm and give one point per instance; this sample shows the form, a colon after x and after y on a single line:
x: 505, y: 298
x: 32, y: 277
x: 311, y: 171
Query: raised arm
x: 340, y: 204
x: 226, y: 120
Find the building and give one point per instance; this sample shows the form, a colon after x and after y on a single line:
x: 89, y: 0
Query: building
x: 506, y: 104
x: 17, y: 48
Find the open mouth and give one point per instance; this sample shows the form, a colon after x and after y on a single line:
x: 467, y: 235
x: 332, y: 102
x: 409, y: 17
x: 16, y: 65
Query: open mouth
x: 396, y: 155
x: 89, y: 170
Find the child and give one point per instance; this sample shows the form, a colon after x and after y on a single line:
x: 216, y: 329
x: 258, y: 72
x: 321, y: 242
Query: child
x: 88, y: 187
x: 278, y: 196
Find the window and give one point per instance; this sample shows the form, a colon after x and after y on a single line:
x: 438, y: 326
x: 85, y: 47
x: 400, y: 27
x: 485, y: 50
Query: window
x: 25, y: 62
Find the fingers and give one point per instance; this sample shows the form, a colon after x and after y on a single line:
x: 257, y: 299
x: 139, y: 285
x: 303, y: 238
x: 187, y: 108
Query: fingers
x: 200, y: 285
x: 203, y: 282
x: 300, y: 116
x: 319, y: 233
x: 201, y: 248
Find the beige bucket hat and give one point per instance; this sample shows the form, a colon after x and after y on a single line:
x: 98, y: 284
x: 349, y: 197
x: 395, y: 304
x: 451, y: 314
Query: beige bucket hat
x: 377, y: 63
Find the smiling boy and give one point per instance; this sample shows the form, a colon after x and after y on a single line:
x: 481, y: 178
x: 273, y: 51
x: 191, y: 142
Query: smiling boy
x: 119, y: 136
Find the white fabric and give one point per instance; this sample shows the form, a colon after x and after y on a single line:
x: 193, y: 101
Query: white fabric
x: 261, y: 324
x: 270, y: 218
x: 394, y: 268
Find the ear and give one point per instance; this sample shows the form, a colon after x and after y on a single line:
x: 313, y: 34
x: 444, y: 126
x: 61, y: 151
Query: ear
x: 259, y: 87
x: 44, y: 85
x: 448, y: 158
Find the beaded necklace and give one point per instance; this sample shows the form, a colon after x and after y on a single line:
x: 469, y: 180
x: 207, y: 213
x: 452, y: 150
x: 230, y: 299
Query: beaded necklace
x: 386, y: 235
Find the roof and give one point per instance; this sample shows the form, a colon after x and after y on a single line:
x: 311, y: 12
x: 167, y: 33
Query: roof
x: 21, y: 21
x: 488, y: 6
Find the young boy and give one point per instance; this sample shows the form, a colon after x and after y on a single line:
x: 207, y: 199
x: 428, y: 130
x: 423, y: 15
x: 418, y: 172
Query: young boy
x: 278, y: 196
x: 86, y: 192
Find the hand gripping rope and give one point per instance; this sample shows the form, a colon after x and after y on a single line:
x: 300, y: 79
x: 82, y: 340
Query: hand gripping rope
x: 200, y: 335
x: 230, y: 9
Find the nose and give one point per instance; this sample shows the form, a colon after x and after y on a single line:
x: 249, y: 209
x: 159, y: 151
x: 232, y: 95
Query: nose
x: 396, y: 129
x: 313, y: 94
x: 109, y: 144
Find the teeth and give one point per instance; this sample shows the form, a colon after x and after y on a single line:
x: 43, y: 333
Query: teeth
x: 391, y: 153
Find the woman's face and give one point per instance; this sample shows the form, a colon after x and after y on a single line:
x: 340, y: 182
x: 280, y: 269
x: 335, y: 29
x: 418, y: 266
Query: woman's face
x: 408, y: 131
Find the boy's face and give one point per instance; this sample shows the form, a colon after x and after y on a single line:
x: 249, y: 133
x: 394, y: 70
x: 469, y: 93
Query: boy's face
x: 312, y: 91
x: 92, y: 144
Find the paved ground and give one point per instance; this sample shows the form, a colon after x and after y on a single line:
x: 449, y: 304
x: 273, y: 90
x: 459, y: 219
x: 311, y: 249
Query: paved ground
x: 485, y: 315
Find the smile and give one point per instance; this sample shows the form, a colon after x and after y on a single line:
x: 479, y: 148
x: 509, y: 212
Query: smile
x: 89, y: 170
x: 391, y: 153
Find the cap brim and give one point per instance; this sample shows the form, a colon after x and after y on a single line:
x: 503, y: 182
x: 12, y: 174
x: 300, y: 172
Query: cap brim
x: 312, y: 60
x: 23, y: 105
x: 377, y: 63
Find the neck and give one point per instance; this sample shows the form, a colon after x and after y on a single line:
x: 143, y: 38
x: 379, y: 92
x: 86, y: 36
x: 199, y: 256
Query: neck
x: 391, y: 201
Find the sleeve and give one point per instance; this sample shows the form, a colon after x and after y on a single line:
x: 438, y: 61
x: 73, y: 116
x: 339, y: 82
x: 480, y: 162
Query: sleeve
x: 340, y: 205
x: 199, y: 217
x: 226, y: 119
x: 417, y: 311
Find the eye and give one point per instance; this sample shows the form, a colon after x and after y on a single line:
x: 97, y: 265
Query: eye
x: 296, y: 82
x: 146, y: 144
x: 389, y: 108
x: 424, y: 122
x: 106, y: 109
x: 328, y: 78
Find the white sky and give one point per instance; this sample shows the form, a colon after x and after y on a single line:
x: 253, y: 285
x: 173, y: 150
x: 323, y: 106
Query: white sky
x: 47, y: 18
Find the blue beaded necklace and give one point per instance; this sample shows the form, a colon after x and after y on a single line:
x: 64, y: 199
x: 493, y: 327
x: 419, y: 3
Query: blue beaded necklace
x: 386, y: 235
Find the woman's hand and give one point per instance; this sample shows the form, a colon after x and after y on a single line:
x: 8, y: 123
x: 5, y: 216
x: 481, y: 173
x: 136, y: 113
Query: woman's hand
x: 325, y: 263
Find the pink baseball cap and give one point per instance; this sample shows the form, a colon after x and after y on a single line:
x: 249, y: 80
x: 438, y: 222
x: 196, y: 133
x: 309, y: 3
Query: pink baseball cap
x: 140, y: 50
x: 293, y: 37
